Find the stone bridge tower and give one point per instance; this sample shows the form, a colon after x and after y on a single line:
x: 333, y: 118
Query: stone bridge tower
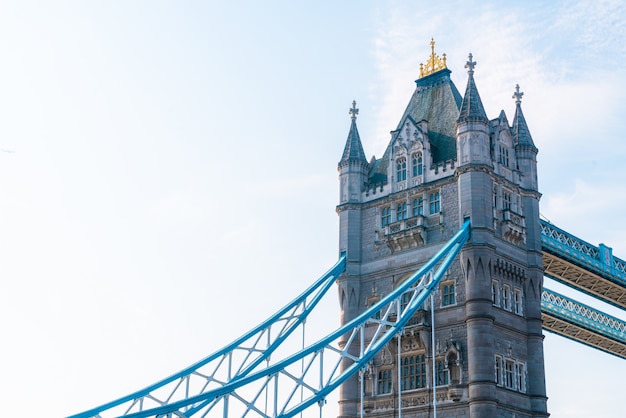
x: 447, y: 161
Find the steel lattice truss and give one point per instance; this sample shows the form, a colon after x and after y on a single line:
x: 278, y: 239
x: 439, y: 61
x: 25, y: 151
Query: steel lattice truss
x: 568, y: 318
x: 289, y: 386
x: 235, y: 360
x: 578, y: 264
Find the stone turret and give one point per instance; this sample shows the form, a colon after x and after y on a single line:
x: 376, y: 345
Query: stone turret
x: 475, y: 202
x: 445, y: 162
x: 353, y: 173
x: 353, y: 169
x: 525, y: 149
x: 353, y: 165
x: 472, y: 125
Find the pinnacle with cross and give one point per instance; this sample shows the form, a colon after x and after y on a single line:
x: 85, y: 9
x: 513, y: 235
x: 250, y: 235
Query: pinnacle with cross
x: 353, y: 110
x: 517, y: 95
x: 470, y: 64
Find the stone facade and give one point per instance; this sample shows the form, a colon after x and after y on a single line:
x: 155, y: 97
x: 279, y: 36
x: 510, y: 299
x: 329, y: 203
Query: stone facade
x: 447, y: 162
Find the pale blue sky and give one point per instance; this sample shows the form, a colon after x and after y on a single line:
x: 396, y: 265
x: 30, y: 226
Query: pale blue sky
x: 169, y: 168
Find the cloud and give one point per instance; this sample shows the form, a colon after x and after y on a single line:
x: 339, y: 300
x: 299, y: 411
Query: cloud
x: 592, y: 211
x: 589, y: 34
x: 554, y: 53
x: 501, y: 46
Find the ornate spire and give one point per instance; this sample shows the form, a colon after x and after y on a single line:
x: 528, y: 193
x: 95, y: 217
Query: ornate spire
x: 353, y: 151
x: 521, y: 134
x: 472, y: 107
x: 434, y: 63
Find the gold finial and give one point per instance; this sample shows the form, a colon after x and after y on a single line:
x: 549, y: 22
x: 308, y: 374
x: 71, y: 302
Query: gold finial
x: 434, y: 63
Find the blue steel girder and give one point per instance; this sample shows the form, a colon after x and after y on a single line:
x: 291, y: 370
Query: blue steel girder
x: 574, y: 320
x: 289, y: 386
x: 245, y: 354
x: 585, y: 267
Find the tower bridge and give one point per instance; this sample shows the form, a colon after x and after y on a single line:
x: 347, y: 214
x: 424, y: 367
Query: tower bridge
x: 442, y: 256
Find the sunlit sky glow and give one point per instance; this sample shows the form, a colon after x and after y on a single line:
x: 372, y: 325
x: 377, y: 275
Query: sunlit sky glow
x: 168, y: 169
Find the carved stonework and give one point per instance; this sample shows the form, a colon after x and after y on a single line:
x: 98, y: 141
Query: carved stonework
x: 506, y: 270
x: 456, y: 393
x: 513, y: 227
x: 409, y: 139
x: 409, y: 401
x: 408, y: 233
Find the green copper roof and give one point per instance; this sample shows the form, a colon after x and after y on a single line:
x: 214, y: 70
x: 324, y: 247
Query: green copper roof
x: 437, y: 101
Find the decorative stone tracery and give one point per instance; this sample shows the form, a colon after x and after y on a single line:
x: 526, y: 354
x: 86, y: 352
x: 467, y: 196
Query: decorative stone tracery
x: 405, y: 234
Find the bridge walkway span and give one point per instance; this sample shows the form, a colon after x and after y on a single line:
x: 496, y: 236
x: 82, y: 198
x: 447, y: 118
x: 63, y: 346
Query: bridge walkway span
x: 571, y: 319
x: 583, y: 266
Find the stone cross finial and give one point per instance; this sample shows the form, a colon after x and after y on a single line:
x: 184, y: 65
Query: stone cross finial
x: 353, y: 110
x: 517, y: 95
x: 470, y: 64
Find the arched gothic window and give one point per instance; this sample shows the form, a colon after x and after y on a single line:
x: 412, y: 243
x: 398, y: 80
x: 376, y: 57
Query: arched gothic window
x: 401, y: 212
x: 434, y: 203
x: 417, y: 164
x: 401, y: 169
x: 418, y: 206
x: 413, y: 372
x: 448, y: 297
x: 504, y: 156
x: 385, y: 217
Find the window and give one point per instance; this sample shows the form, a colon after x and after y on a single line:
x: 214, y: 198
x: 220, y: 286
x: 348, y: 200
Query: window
x: 401, y: 212
x: 418, y: 206
x: 447, y: 295
x: 520, y: 377
x: 404, y: 300
x: 504, y: 156
x: 401, y: 169
x: 517, y: 302
x: 506, y: 297
x: 385, y: 381
x: 434, y: 204
x: 498, y: 371
x: 509, y: 380
x: 495, y: 198
x: 417, y: 164
x: 506, y: 200
x: 511, y: 374
x: 442, y: 373
x: 495, y: 292
x: 385, y: 217
x: 413, y: 372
